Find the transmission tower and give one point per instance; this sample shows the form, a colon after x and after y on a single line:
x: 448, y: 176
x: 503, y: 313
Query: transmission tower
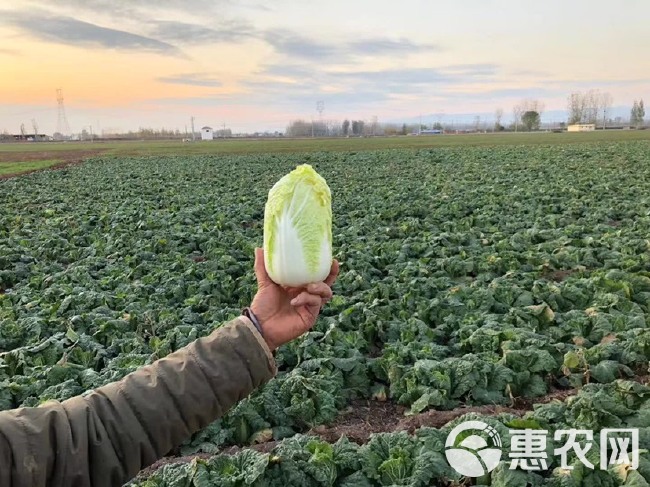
x: 320, y: 106
x: 62, y: 125
x: 35, y: 125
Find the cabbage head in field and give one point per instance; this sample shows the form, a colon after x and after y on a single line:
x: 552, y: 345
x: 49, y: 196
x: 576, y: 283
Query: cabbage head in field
x: 298, y: 229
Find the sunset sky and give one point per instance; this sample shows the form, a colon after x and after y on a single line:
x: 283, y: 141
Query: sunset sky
x: 257, y: 65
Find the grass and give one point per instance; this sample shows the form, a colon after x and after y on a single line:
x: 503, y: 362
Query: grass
x: 7, y: 168
x: 48, y: 150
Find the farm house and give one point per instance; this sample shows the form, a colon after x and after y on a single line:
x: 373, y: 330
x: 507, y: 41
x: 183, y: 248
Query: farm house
x: 207, y: 133
x: 582, y: 127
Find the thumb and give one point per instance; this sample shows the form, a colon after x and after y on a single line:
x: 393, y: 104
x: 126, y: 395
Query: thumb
x: 262, y: 276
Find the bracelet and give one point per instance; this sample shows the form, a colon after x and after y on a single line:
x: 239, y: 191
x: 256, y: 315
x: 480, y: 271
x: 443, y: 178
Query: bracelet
x: 248, y: 313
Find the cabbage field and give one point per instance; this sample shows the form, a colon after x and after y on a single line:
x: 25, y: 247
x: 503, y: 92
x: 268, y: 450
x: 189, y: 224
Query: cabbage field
x: 510, y: 284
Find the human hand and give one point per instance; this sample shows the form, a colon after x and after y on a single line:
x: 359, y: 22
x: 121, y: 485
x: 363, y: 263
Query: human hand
x: 286, y: 313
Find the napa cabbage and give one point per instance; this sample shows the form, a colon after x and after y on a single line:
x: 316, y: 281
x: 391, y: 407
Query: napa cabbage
x: 298, y: 228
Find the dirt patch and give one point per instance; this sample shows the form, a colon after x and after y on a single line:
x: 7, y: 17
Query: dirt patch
x: 364, y: 418
x: 360, y: 420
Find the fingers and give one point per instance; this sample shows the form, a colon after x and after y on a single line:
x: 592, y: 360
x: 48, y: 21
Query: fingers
x: 320, y: 289
x: 261, y: 275
x: 334, y: 272
x: 307, y: 299
x: 318, y: 293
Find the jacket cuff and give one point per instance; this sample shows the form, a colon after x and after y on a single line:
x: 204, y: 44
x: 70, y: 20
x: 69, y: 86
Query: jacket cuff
x: 267, y: 351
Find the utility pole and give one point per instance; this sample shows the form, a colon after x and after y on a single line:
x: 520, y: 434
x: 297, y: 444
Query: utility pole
x: 193, y: 136
x: 224, y: 130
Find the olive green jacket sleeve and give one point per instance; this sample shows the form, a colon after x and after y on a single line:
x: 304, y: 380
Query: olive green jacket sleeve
x: 107, y: 436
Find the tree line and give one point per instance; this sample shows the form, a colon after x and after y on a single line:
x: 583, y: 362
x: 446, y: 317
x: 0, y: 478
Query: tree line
x: 589, y: 107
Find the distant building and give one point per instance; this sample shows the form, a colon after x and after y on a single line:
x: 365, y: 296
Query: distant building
x: 31, y: 137
x: 206, y: 133
x: 582, y: 127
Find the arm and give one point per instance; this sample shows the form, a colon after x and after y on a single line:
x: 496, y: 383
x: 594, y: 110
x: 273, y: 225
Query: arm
x: 108, y: 436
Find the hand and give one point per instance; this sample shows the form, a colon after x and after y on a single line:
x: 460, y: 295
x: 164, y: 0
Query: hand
x: 286, y: 313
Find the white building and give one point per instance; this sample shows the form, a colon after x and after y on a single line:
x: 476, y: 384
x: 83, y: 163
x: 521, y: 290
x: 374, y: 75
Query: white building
x: 206, y: 133
x: 582, y: 127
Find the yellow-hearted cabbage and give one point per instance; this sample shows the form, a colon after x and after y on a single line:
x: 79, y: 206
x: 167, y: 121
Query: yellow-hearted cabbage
x: 298, y: 228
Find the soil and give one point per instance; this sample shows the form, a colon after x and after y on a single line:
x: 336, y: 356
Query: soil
x: 365, y: 417
x: 66, y: 158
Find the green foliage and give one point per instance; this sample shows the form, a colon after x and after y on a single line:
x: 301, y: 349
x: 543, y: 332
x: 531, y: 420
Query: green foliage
x: 530, y: 120
x: 468, y: 276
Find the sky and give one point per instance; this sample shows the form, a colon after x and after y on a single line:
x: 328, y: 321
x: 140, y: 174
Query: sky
x: 254, y: 66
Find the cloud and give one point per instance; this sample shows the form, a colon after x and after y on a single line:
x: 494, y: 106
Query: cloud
x: 230, y: 31
x: 406, y: 76
x: 295, y: 45
x: 67, y: 30
x: 8, y: 52
x: 473, y: 70
x: 384, y: 46
x: 502, y: 93
x: 301, y: 99
x: 138, y: 8
x: 296, y: 71
x: 302, y: 84
x: 192, y: 79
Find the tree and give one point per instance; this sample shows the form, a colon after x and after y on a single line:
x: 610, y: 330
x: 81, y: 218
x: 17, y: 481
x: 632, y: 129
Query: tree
x: 576, y: 108
x: 641, y: 111
x: 299, y: 128
x: 592, y: 105
x: 498, y: 115
x: 516, y: 116
x: 528, y: 105
x: 638, y: 113
x: 404, y: 129
x: 634, y: 114
x: 531, y: 120
x: 357, y: 127
x: 346, y: 127
x: 587, y: 107
x: 374, y: 126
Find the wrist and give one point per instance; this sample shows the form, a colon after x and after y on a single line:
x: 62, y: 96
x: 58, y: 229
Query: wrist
x: 254, y: 318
